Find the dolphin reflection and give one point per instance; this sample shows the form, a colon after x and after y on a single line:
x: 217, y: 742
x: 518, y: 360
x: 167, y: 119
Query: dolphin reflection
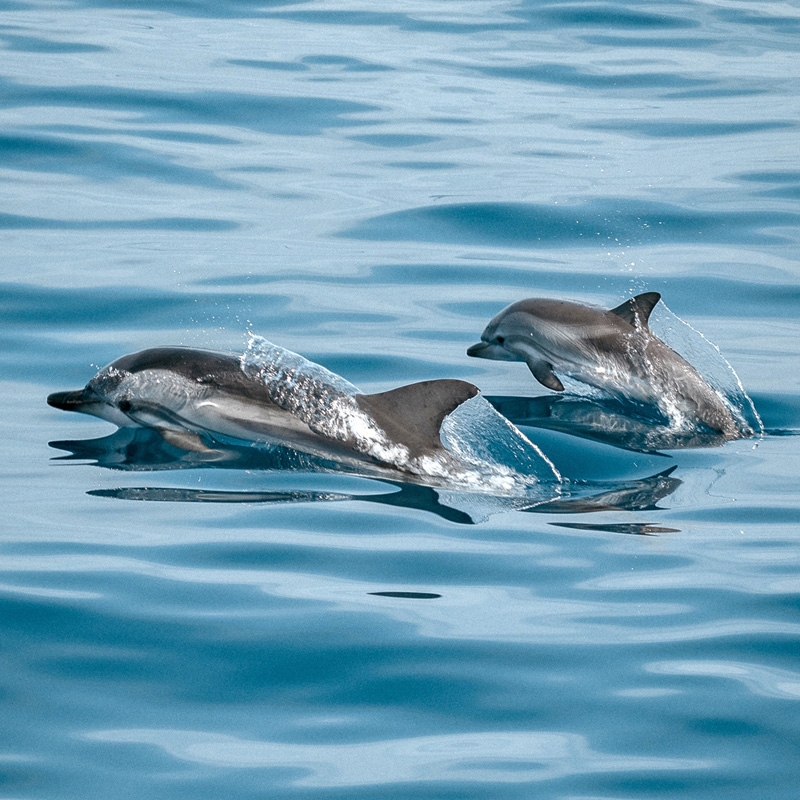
x: 145, y: 450
x: 607, y: 420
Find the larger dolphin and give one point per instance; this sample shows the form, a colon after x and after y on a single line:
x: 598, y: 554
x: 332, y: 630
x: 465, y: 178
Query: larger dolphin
x: 184, y: 392
x: 612, y: 350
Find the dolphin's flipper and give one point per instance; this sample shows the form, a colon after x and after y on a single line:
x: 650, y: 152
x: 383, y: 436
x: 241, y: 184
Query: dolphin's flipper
x: 184, y: 440
x: 543, y: 372
x: 412, y: 415
x: 637, y: 310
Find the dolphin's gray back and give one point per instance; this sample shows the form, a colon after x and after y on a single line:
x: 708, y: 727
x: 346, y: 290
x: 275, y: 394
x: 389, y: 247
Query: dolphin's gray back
x: 633, y: 313
x: 564, y: 312
x: 585, y: 329
x: 206, y: 367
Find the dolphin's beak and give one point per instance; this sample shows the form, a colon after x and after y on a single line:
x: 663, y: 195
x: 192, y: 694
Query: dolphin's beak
x: 479, y: 350
x: 70, y: 401
x: 87, y: 401
x: 494, y: 351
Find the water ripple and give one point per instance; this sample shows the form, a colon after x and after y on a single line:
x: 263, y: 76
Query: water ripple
x: 297, y: 116
x: 470, y: 613
x: 565, y: 75
x: 781, y: 684
x: 482, y: 757
x: 590, y: 224
x: 679, y: 129
x: 99, y: 160
x: 37, y: 44
x: 20, y: 222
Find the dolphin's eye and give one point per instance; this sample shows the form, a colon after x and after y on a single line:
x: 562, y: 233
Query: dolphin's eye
x: 500, y: 339
x: 125, y: 406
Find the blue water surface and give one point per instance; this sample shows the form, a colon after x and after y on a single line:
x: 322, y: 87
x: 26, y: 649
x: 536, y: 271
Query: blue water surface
x: 368, y: 185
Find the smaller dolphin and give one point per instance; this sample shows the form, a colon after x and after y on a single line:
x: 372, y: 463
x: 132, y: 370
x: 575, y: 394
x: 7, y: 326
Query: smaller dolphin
x: 184, y: 393
x: 612, y: 350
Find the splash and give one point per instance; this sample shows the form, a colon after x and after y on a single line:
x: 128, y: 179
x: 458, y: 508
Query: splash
x: 477, y: 434
x: 483, y: 452
x: 322, y: 399
x: 707, y: 358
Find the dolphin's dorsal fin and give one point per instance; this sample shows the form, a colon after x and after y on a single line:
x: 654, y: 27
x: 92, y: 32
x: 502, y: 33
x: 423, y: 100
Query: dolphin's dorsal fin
x: 412, y: 415
x: 637, y: 310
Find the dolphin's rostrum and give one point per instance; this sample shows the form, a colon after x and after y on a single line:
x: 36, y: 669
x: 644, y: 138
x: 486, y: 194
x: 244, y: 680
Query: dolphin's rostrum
x: 612, y: 350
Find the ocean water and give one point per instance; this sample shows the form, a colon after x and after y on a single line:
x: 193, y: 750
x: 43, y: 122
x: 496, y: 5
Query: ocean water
x: 368, y: 185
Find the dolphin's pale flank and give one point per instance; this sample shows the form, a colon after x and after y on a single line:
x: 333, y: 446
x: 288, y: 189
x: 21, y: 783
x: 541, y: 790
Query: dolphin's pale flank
x: 184, y: 392
x: 612, y: 350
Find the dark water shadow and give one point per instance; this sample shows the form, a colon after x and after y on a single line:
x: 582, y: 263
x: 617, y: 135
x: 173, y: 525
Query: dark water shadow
x: 780, y: 412
x: 22, y: 222
x: 200, y: 111
x: 144, y: 450
x: 588, y: 224
x: 604, y: 420
x: 631, y: 528
x: 199, y: 9
x: 100, y: 160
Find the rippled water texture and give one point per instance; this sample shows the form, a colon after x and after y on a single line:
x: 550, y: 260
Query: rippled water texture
x: 368, y: 185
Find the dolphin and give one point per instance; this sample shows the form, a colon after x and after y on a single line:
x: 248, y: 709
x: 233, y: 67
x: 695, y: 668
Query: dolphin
x: 184, y: 393
x: 611, y: 350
